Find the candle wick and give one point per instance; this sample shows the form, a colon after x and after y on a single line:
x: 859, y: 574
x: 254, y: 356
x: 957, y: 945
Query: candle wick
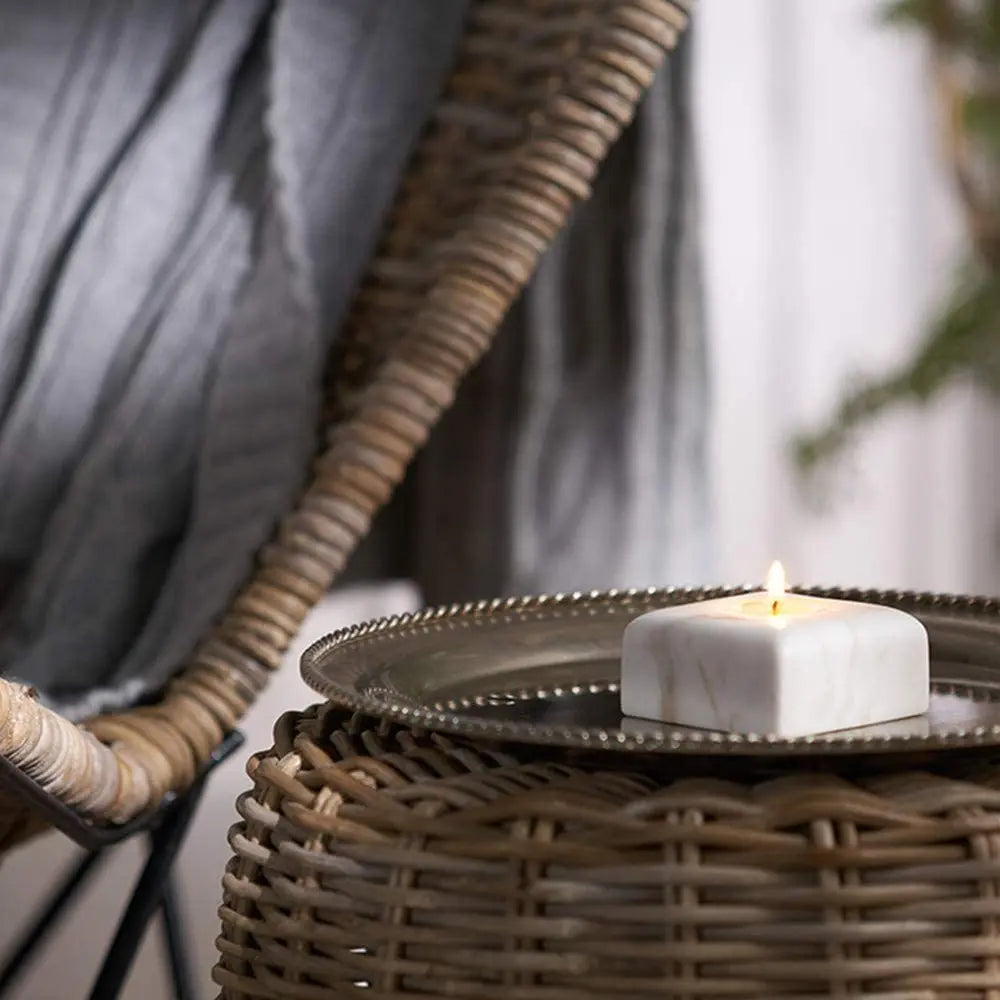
x: 774, y: 606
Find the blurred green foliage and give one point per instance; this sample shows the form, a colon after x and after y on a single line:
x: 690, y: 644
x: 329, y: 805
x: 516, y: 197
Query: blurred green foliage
x: 962, y: 339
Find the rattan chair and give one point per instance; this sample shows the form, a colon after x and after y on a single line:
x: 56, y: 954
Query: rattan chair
x: 540, y: 90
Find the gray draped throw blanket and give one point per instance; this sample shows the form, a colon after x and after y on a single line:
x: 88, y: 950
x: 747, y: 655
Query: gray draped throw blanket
x: 189, y: 192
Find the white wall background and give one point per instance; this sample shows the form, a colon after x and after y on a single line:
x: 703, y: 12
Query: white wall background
x: 829, y: 231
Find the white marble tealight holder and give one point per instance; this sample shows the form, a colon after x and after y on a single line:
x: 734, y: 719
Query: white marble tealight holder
x: 792, y: 667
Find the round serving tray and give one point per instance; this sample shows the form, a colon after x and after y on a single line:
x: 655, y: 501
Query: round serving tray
x: 545, y: 670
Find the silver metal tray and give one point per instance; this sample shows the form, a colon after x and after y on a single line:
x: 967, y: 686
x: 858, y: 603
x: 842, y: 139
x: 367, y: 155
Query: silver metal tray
x: 545, y: 670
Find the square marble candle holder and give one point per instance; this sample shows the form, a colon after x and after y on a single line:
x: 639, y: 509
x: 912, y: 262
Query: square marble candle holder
x: 749, y: 664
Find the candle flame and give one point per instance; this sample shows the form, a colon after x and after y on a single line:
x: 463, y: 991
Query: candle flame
x: 775, y: 585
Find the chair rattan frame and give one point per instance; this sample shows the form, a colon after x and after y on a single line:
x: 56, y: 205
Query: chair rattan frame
x: 539, y: 91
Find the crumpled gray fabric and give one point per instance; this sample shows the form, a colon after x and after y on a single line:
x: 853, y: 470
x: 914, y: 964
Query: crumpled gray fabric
x: 188, y: 193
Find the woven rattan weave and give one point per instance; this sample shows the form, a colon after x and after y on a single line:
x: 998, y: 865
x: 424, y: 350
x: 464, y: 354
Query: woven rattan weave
x: 379, y: 862
x: 539, y: 91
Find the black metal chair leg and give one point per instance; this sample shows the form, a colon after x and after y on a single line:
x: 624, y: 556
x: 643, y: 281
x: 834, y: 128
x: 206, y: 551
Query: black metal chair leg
x: 176, y: 943
x: 48, y: 918
x: 154, y: 890
x: 166, y: 842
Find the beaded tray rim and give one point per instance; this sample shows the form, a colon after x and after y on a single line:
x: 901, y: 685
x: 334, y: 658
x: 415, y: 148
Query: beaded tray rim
x: 394, y: 629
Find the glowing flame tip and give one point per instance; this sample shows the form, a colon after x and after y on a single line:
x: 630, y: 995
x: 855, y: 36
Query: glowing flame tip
x: 776, y: 581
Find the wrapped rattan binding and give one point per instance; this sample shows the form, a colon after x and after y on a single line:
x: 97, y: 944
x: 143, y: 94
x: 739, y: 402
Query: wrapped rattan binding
x: 69, y: 762
x: 371, y: 860
x: 538, y: 93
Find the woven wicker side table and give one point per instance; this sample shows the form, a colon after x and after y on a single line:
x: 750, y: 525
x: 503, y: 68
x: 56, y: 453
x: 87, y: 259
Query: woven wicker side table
x: 375, y: 859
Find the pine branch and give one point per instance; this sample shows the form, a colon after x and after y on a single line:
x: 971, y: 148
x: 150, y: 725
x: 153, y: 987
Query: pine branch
x: 963, y: 342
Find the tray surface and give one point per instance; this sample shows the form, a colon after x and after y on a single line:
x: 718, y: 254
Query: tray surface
x: 545, y: 670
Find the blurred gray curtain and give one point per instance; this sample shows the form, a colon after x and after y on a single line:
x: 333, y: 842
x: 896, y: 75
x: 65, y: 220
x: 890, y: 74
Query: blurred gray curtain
x: 575, y: 456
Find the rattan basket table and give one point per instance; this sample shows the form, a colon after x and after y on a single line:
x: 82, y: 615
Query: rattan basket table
x: 485, y: 836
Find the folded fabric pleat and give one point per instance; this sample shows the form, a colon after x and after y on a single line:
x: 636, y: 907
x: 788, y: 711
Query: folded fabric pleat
x: 575, y: 455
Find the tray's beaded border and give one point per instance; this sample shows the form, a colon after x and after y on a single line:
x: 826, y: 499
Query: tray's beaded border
x: 662, y: 741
